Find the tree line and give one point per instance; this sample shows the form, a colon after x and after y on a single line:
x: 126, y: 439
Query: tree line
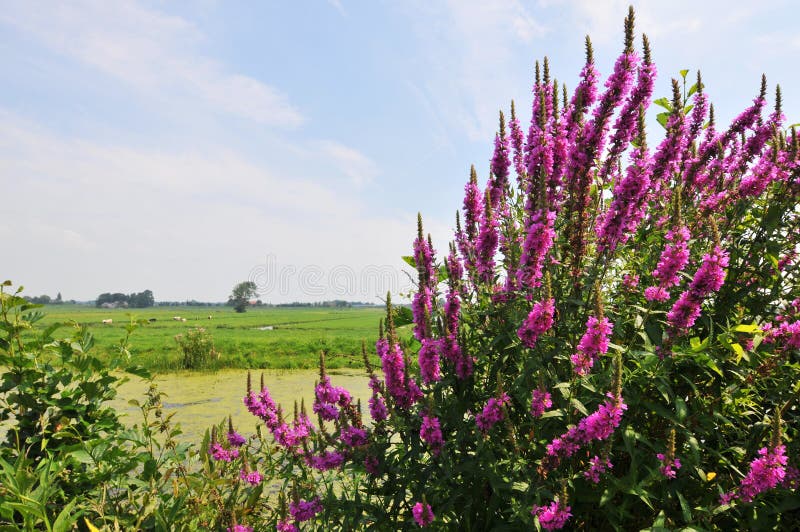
x: 135, y: 300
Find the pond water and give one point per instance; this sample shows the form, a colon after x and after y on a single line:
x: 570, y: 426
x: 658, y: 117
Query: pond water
x: 200, y: 400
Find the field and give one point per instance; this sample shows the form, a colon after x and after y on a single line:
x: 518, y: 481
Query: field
x: 296, y: 337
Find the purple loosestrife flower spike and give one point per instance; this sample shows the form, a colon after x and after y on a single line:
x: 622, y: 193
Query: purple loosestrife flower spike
x: 431, y: 433
x: 553, y: 516
x: 539, y: 321
x: 487, y: 242
x: 500, y: 164
x: 709, y: 278
x: 423, y: 514
x: 517, y: 145
x: 422, y: 304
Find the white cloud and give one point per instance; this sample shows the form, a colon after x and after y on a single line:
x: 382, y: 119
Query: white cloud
x: 182, y: 223
x: 358, y: 168
x: 152, y: 52
x: 471, y: 49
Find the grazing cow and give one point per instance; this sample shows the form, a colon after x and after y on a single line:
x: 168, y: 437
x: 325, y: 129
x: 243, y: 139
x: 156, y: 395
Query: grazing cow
x: 151, y: 320
x: 108, y: 321
x: 209, y: 316
x: 176, y: 318
x: 183, y: 320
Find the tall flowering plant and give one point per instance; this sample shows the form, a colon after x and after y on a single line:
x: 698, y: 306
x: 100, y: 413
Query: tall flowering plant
x: 612, y: 340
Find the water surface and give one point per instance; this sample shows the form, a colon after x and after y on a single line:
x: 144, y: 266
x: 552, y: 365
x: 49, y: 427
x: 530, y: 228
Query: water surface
x: 200, y: 400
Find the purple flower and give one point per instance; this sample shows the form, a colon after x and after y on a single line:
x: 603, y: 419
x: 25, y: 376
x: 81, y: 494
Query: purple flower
x: 553, y: 516
x: 539, y: 321
x: 429, y: 360
x: 286, y: 526
x: 492, y: 413
x: 404, y: 392
x: 668, y: 465
x: 540, y: 402
x: 353, y: 436
x: 539, y: 237
x: 328, y: 399
x: 305, y: 510
x: 240, y: 528
x: 371, y: 464
x: 593, y: 344
x: 431, y: 433
x: 597, y: 426
x: 709, y: 278
x: 251, y: 477
x: 423, y: 514
x: 597, y: 466
x: 325, y: 461
x: 766, y: 472
x: 219, y: 453
x: 235, y: 439
x: 377, y: 406
x: 487, y: 243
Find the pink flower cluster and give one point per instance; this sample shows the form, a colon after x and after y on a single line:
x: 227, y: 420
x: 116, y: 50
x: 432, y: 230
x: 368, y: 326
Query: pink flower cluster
x: 539, y: 321
x: 597, y: 466
x: 423, y: 514
x: 377, y: 406
x: 597, y: 426
x: 709, y: 278
x: 553, y: 516
x: 251, y: 477
x: 493, y: 412
x: 668, y: 465
x: 290, y: 436
x: 593, y: 344
x: 235, y: 439
x: 540, y: 401
x: 404, y: 391
x: 305, y: 510
x: 328, y: 399
x: 240, y: 528
x: 431, y: 433
x: 766, y: 472
x: 540, y: 233
x: 673, y: 259
x: 353, y: 436
x: 428, y: 358
x: 221, y: 454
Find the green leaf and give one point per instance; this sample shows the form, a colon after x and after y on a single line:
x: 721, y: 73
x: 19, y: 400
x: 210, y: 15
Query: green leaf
x: 409, y: 259
x: 685, y: 510
x: 684, y: 72
x: 692, y: 90
x: 662, y: 119
x: 663, y: 102
x: 747, y: 328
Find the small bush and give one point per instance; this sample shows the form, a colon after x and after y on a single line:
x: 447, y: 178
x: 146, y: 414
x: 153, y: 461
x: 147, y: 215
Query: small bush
x: 197, y: 347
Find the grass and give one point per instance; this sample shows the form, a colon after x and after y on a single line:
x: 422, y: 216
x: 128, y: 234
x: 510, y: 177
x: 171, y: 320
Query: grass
x: 297, y: 337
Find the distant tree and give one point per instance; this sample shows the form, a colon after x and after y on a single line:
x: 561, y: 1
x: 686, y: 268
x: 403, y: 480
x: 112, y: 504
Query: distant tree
x: 141, y: 300
x: 241, y: 295
x: 58, y: 299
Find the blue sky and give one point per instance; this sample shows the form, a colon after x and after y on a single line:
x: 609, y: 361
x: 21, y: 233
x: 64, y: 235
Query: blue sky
x: 186, y: 146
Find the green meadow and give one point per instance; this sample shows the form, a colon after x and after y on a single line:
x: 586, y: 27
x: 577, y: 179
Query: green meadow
x: 261, y: 338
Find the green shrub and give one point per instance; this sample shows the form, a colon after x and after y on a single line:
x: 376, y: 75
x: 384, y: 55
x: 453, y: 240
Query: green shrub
x: 197, y: 347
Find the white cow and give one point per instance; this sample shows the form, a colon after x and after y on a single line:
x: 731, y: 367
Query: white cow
x: 183, y: 320
x: 108, y: 321
x: 176, y: 318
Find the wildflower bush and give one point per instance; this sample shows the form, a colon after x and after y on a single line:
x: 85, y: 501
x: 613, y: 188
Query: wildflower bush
x: 197, y: 346
x: 612, y: 340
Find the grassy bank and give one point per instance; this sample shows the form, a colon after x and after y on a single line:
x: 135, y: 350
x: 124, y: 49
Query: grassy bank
x: 278, y: 338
